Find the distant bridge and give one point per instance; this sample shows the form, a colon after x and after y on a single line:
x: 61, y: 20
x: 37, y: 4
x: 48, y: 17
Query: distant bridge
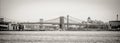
x: 61, y: 21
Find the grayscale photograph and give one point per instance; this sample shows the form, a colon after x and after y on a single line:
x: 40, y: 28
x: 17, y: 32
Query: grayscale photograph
x: 59, y: 21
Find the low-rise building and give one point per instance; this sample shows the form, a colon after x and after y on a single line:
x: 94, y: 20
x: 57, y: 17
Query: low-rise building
x: 114, y: 24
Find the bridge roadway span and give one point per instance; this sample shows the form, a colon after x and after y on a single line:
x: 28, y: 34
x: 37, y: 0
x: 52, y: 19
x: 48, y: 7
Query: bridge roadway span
x: 55, y: 23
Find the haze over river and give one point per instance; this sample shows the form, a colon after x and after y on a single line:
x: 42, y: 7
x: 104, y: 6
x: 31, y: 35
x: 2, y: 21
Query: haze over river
x: 59, y: 37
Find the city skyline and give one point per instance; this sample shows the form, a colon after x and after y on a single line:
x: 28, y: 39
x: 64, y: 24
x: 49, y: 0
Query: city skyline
x: 34, y: 10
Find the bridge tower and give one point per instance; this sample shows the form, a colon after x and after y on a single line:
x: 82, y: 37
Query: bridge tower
x: 41, y: 24
x: 117, y: 17
x: 67, y: 21
x: 62, y: 23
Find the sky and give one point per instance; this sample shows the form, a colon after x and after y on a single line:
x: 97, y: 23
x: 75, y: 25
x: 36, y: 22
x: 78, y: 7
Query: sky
x: 34, y: 10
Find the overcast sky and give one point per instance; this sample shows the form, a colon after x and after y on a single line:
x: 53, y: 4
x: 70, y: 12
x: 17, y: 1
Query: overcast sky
x: 33, y: 10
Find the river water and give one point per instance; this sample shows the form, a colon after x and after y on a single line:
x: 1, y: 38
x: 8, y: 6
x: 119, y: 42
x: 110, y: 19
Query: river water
x: 59, y: 37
